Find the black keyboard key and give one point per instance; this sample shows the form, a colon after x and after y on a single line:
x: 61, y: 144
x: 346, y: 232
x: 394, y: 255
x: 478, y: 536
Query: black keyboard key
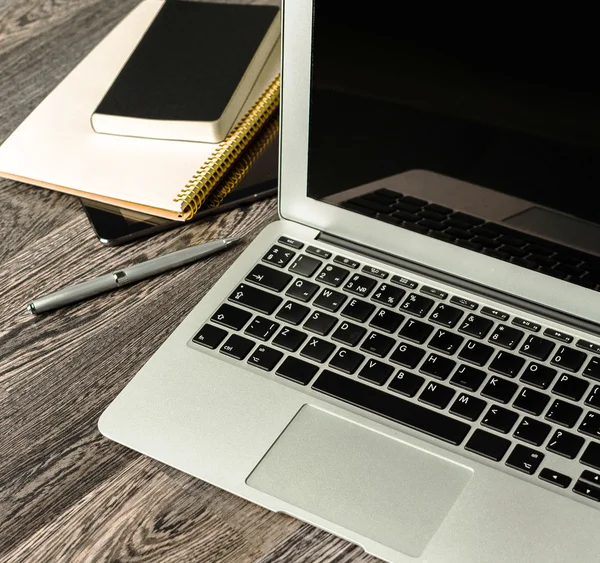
x: 524, y: 323
x: 292, y: 312
x: 333, y: 275
x: 468, y: 378
x: 499, y: 419
x: 416, y: 331
x: 446, y: 315
x: 592, y: 370
x: 392, y: 407
x: 330, y: 300
x: 532, y: 431
x: 237, y: 347
x: 262, y: 328
x: 565, y: 444
x: 476, y: 326
x: 303, y: 290
x: 290, y: 242
x: 499, y: 389
x: 377, y: 344
x: 476, y: 352
x: 268, y: 277
x: 487, y: 445
x: 538, y: 375
x: 289, y: 339
x: 417, y: 305
x: 320, y: 323
x: 386, y: 320
x: 407, y: 355
x: 297, y: 370
x: 590, y: 426
x: 346, y: 262
x: 376, y: 272
x: 265, y: 358
x: 495, y: 313
x: 466, y: 303
x: 564, y: 413
x: 436, y: 395
x: 593, y: 399
x: 558, y: 335
x: 585, y: 489
x: 388, y: 294
x: 524, y: 459
x: 278, y: 256
x: 358, y: 310
x: 589, y: 346
x: 506, y: 336
x: 437, y: 366
x: 375, y: 371
x: 507, y: 364
x: 591, y: 478
x: 554, y: 477
x: 591, y: 455
x: 316, y: 251
x: 531, y: 401
x: 346, y: 360
x: 360, y: 285
x: 210, y: 336
x: 568, y: 358
x: 438, y: 293
x: 255, y: 298
x: 570, y: 387
x: 317, y: 350
x: 230, y: 316
x: 446, y: 342
x: 405, y: 282
x: 406, y: 383
x: 468, y: 407
x: 305, y: 265
x: 348, y: 333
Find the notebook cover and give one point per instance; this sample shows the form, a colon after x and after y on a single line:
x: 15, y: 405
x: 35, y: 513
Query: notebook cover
x: 56, y: 147
x: 190, y: 61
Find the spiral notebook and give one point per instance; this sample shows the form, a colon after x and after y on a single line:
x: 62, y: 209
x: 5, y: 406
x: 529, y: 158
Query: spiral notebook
x: 57, y: 148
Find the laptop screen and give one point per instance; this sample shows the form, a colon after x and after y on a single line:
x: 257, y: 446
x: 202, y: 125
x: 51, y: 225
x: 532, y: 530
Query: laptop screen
x: 489, y: 139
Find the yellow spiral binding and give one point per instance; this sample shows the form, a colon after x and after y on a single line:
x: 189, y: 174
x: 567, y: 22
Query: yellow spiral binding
x: 228, y: 151
x: 243, y: 163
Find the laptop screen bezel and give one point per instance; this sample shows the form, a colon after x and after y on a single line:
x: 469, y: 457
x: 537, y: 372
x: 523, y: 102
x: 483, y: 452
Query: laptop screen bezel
x: 295, y: 205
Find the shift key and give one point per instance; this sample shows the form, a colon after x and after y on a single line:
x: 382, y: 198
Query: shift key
x: 256, y: 299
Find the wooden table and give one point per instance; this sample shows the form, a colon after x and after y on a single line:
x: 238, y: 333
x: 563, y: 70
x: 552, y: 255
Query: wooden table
x: 67, y: 493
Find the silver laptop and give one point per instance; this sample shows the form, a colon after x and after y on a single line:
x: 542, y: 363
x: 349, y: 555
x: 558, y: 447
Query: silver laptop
x: 410, y: 357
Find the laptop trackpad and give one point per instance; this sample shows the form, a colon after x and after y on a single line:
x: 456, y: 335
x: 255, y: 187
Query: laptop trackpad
x: 374, y: 485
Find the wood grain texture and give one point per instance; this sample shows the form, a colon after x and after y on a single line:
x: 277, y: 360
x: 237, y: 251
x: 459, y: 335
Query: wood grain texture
x: 67, y: 493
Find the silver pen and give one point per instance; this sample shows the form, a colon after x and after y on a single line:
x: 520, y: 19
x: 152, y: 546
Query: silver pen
x: 120, y: 278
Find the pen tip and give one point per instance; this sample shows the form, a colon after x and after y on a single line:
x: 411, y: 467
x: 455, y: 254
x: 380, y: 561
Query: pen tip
x: 229, y: 241
x: 31, y: 308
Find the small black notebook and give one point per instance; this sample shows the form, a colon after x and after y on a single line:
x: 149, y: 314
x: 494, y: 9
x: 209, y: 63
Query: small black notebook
x: 191, y: 72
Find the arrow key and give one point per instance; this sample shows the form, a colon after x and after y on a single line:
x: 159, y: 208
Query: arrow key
x: 554, y: 477
x: 525, y: 459
x: 586, y: 490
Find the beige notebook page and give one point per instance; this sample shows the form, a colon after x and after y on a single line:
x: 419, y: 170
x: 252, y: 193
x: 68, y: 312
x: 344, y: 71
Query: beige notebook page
x: 56, y: 147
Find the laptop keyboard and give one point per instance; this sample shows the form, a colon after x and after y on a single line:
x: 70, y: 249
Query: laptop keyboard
x: 474, y: 233
x: 499, y: 387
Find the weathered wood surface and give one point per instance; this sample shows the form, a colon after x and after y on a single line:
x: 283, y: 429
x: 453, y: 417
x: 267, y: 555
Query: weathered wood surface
x: 66, y: 493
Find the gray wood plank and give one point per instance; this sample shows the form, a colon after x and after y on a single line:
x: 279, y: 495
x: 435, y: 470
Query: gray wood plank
x: 66, y: 493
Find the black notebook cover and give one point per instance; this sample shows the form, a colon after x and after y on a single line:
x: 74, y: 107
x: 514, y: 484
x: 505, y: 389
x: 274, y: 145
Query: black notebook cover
x: 189, y: 62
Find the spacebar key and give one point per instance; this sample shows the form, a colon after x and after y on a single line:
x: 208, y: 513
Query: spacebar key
x: 391, y: 407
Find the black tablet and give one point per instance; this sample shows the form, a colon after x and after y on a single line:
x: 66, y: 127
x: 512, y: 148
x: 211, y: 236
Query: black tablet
x: 114, y: 225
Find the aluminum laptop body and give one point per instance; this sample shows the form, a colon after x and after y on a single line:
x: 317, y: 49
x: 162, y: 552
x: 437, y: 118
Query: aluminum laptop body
x: 440, y: 402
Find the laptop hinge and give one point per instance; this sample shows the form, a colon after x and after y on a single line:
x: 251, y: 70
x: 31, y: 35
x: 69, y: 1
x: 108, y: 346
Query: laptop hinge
x: 467, y: 285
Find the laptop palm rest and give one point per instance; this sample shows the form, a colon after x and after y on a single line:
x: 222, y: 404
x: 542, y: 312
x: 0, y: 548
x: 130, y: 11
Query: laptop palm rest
x: 386, y: 490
